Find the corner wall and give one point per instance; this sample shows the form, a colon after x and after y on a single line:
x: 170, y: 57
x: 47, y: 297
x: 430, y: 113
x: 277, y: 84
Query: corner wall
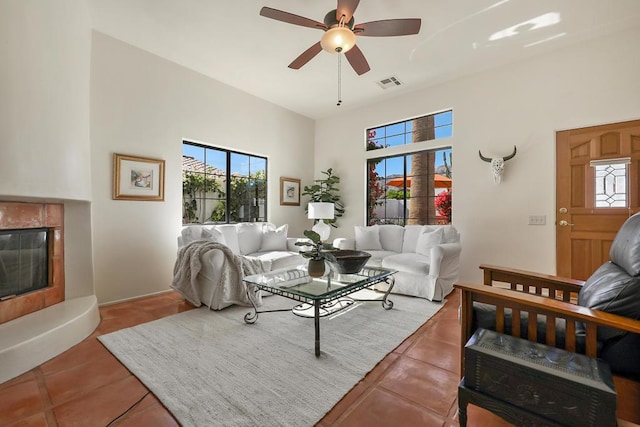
x: 522, y: 104
x: 144, y: 105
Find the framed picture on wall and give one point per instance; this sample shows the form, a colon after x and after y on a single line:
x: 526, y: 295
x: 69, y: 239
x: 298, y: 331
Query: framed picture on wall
x: 137, y: 178
x: 289, y: 191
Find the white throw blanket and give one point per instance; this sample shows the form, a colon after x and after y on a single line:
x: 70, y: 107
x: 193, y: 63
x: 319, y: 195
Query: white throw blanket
x: 232, y: 289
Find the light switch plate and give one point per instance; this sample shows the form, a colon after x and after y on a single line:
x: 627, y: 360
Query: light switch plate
x: 537, y: 219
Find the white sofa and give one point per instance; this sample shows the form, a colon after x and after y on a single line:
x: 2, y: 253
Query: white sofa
x: 259, y: 240
x: 427, y: 257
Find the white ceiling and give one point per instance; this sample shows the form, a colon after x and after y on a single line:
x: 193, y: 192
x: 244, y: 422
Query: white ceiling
x: 230, y: 42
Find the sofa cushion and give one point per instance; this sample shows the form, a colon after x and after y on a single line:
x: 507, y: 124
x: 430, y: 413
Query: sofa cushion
x: 625, y: 249
x: 391, y: 237
x: 408, y: 262
x: 410, y: 239
x: 428, y: 239
x: 280, y: 259
x: 214, y: 235
x: 368, y: 238
x: 274, y: 239
x: 230, y: 233
x: 249, y: 237
x: 611, y: 289
x: 377, y: 257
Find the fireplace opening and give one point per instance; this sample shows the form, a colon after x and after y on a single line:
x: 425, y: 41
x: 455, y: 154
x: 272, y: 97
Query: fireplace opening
x: 24, y: 261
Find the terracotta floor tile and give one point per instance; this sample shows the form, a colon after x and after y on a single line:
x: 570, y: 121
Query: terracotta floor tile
x: 384, y: 409
x: 149, y: 412
x: 85, y: 352
x: 345, y: 403
x: 101, y: 405
x: 27, y: 376
x: 125, y: 321
x: 375, y: 374
x: 437, y: 353
x: 423, y: 384
x: 444, y: 330
x: 19, y: 401
x: 152, y: 302
x: 35, y: 420
x: 82, y: 379
x: 171, y: 309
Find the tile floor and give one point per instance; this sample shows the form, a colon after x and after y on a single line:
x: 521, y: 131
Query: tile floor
x: 415, y: 385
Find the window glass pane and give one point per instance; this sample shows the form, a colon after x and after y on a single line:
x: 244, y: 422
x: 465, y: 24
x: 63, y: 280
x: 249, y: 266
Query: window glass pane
x: 419, y: 129
x: 395, y: 129
x: 445, y: 118
x: 422, y: 195
x: 444, y: 131
x: 205, y: 177
x: 394, y: 141
x: 611, y: 185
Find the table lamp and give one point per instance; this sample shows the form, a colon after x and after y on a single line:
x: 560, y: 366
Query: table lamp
x: 321, y: 211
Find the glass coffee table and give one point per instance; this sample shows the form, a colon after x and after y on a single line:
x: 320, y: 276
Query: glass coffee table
x: 318, y: 297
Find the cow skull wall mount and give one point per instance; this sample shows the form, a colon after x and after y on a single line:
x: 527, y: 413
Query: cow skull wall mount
x: 497, y: 164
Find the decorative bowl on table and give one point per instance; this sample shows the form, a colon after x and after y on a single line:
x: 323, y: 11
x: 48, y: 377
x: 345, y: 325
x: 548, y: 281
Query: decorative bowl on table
x: 347, y: 261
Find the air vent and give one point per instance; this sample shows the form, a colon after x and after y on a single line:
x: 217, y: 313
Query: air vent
x: 392, y: 81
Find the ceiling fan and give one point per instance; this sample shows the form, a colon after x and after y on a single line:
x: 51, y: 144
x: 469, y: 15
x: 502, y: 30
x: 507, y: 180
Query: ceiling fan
x: 340, y: 32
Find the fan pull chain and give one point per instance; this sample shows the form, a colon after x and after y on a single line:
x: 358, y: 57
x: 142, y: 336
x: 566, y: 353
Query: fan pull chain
x: 339, y: 79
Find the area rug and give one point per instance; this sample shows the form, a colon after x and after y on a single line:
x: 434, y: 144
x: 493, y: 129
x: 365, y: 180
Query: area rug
x: 211, y: 368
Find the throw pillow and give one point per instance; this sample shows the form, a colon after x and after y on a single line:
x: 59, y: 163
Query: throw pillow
x: 214, y: 235
x: 428, y: 239
x: 249, y: 237
x: 274, y: 239
x: 410, y: 238
x: 368, y: 238
x: 391, y: 237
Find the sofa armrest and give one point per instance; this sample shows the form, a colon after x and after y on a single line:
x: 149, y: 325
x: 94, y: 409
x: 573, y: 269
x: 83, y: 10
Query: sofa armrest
x: 344, y: 243
x: 536, y: 305
x: 526, y: 281
x: 445, y: 260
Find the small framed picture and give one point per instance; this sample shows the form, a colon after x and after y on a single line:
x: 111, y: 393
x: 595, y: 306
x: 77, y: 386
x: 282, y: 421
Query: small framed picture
x: 137, y: 178
x: 289, y: 191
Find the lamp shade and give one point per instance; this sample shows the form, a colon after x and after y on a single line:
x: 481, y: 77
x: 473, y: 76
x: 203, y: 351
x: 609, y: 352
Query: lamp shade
x: 338, y: 40
x: 321, y: 210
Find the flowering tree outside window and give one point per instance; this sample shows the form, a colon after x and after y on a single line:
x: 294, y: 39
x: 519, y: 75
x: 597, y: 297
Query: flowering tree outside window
x: 443, y: 204
x: 375, y: 183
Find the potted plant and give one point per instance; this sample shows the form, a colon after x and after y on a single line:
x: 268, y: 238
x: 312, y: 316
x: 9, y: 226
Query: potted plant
x: 325, y: 190
x: 315, y: 255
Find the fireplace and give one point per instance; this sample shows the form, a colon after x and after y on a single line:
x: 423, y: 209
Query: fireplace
x: 23, y: 261
x: 31, y: 257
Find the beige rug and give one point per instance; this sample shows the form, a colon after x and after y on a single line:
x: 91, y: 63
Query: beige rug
x: 210, y: 368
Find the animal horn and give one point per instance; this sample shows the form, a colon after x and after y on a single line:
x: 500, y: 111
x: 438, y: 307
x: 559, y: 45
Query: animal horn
x: 486, y: 159
x: 510, y: 156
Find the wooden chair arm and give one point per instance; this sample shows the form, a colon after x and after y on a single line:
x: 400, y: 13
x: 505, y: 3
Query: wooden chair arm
x: 554, y: 287
x: 536, y: 305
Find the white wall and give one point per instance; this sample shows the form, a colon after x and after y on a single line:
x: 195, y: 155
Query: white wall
x: 144, y: 105
x: 522, y: 104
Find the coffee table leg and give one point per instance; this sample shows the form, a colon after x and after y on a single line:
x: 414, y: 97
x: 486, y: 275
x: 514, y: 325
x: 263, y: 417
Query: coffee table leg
x: 316, y: 319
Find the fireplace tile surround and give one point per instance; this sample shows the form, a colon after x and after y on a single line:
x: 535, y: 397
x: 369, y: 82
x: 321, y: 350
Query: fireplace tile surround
x: 20, y: 215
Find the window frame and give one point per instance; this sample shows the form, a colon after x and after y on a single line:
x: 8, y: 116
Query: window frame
x: 229, y: 175
x: 382, y: 153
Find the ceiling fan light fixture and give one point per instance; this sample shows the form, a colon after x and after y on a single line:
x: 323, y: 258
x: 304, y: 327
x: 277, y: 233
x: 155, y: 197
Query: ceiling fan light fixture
x: 338, y: 39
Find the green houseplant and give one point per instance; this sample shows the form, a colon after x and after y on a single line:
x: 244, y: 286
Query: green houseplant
x: 325, y: 190
x: 316, y: 265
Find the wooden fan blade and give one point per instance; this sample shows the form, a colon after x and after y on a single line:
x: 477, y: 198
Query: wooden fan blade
x: 357, y: 60
x: 290, y: 18
x: 389, y: 27
x: 346, y: 8
x: 306, y: 56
